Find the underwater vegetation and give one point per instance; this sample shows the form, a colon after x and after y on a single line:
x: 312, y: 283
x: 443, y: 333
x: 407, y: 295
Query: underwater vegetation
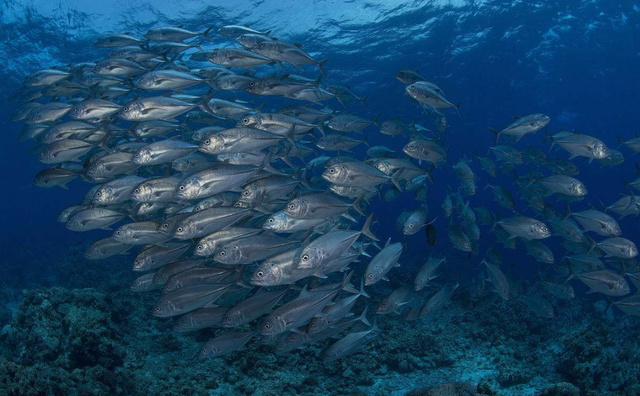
x: 247, y: 221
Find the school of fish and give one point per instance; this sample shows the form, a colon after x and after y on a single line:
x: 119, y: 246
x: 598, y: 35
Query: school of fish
x: 253, y: 216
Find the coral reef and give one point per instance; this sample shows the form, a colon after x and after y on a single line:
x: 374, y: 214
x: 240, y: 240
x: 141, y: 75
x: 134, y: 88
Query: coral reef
x: 561, y: 389
x: 104, y: 341
x: 451, y: 389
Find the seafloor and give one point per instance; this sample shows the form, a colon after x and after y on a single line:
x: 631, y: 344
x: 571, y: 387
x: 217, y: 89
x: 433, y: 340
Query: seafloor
x: 89, y: 335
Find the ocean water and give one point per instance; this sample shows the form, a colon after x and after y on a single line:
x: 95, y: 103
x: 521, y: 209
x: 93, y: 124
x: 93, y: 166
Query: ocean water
x: 71, y: 326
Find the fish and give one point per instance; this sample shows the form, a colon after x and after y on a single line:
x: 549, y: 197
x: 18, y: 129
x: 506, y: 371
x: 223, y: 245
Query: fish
x: 252, y: 249
x: 538, y: 305
x: 208, y: 221
x: 427, y: 272
x: 603, y: 281
x: 539, y: 251
x: 618, y: 247
x: 424, y: 92
x: 349, y: 344
x: 331, y: 246
x: 498, y: 279
x: 565, y: 185
x: 106, y: 247
x: 200, y: 319
x: 358, y: 174
x: 158, y: 256
x: 438, y: 300
x: 395, y: 300
x: 407, y: 76
x: 416, y: 220
x: 93, y: 219
x: 579, y: 145
x: 525, y: 227
x: 333, y: 314
x: 382, y: 263
x: 425, y: 150
x: 596, y: 221
x: 522, y: 126
x: 171, y: 33
x: 252, y: 308
x: 629, y: 305
x: 226, y: 343
x: 187, y: 299
x: 432, y: 233
x: 507, y: 154
x: 299, y: 311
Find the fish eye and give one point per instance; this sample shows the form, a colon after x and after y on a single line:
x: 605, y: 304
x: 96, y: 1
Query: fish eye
x: 222, y: 253
x: 245, y: 193
x: 181, y: 188
x: 207, y: 142
x: 165, y: 225
x: 180, y: 229
x: 332, y: 171
x: 137, y: 191
x: 305, y: 257
x: 370, y: 276
x: 383, y: 306
x: 271, y: 220
x: 118, y: 232
x: 228, y: 319
x: 200, y: 247
x: 260, y: 274
x: 410, y: 225
x: 158, y: 309
x: 246, y: 121
x: 292, y: 206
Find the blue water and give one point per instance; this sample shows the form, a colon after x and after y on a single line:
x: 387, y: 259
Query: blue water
x: 575, y: 61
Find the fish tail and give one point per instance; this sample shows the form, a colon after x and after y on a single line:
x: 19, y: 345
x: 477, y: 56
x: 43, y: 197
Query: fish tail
x: 321, y: 66
x: 567, y: 211
x: 290, y: 135
x: 626, y: 184
x: 363, y: 316
x: 429, y: 173
x: 496, y: 133
x: 356, y: 205
x: 366, y: 229
x: 592, y: 244
x: 205, y: 34
x: 571, y: 273
x: 394, y: 179
x: 362, y: 291
x: 376, y: 121
x: 346, y: 282
x: 363, y: 100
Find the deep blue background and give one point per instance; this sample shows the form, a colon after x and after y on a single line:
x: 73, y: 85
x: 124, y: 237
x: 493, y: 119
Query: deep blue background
x: 575, y: 61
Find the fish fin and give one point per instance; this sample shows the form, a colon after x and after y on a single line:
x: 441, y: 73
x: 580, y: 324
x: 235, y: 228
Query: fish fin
x: 362, y: 291
x: 367, y: 231
x: 363, y: 316
x: 496, y: 133
x: 395, y: 181
x: 321, y: 66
